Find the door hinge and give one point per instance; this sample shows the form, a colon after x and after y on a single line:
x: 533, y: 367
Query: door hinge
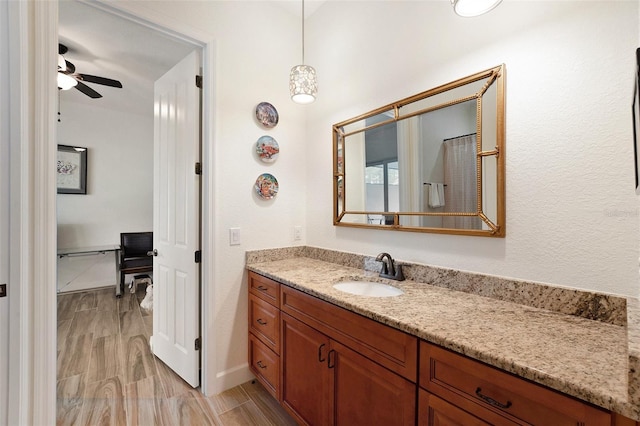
x: 197, y: 344
x: 3, y: 290
x: 199, y: 81
x: 198, y: 256
x: 198, y: 168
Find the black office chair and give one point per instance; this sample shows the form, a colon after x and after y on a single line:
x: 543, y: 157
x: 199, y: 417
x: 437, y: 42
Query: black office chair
x: 135, y: 254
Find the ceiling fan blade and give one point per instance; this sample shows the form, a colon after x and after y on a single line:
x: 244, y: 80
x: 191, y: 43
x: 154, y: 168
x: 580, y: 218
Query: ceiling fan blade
x: 87, y: 90
x: 70, y: 67
x: 99, y: 80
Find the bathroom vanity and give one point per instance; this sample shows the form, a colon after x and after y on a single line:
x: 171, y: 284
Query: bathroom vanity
x: 429, y: 356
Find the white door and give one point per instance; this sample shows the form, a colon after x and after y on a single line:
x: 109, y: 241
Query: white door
x: 176, y: 220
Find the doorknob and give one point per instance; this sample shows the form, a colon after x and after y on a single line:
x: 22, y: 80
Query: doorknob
x: 152, y: 253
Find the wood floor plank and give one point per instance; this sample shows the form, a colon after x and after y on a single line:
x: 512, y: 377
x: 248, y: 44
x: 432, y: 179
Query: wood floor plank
x: 83, y: 322
x: 74, y: 356
x: 107, y: 323
x: 187, y: 410
x: 69, y: 399
x: 228, y: 399
x: 148, y: 324
x: 145, y: 403
x: 131, y: 323
x: 267, y: 404
x: 86, y: 301
x: 247, y: 414
x: 106, y: 300
x: 63, y: 332
x: 67, y: 304
x: 138, y: 360
x: 104, y: 403
x: 128, y: 302
x: 106, y: 358
x: 173, y: 384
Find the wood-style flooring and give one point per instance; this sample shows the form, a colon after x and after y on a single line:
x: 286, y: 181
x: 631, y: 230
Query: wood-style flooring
x: 108, y: 376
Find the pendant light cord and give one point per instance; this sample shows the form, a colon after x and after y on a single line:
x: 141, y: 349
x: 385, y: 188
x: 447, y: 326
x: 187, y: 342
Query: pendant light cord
x: 302, y: 32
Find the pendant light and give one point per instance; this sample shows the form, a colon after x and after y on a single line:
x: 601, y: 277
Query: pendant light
x: 469, y: 8
x: 303, y: 83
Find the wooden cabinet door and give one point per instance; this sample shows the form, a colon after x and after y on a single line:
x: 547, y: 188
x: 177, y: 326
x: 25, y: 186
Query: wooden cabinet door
x: 364, y: 393
x: 305, y: 375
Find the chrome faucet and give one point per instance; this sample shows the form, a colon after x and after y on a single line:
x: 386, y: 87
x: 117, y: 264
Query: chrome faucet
x: 389, y: 269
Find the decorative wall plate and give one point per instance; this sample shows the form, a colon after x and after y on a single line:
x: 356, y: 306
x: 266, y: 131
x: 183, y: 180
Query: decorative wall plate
x: 266, y: 186
x: 267, y: 149
x: 267, y: 114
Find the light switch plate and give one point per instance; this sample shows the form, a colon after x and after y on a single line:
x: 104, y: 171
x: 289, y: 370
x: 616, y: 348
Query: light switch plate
x: 297, y: 233
x: 234, y: 236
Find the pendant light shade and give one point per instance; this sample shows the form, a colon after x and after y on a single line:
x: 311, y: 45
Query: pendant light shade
x: 303, y: 81
x: 469, y: 8
x: 303, y: 84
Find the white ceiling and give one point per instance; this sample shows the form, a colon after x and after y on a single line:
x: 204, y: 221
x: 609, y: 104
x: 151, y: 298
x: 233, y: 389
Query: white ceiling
x: 107, y: 45
x: 110, y: 46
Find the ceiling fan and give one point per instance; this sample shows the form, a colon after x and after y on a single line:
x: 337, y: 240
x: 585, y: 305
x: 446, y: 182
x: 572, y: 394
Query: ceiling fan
x: 68, y: 78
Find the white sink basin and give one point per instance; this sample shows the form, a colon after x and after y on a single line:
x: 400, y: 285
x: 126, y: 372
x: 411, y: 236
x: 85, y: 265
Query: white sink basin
x: 368, y: 288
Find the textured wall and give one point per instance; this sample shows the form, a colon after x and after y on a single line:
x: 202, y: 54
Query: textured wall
x: 572, y: 215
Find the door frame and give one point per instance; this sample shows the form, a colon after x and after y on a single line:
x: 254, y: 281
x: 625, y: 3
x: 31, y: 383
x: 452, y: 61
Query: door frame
x: 33, y: 34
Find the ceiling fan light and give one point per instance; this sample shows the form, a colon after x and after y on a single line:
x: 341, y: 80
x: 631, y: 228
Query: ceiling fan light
x: 470, y: 8
x: 66, y: 82
x: 303, y: 84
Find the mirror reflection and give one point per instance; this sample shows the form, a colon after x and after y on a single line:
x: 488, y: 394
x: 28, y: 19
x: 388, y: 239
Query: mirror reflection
x: 427, y: 163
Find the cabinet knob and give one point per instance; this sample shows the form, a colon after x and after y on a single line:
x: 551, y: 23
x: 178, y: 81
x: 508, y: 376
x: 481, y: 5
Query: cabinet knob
x: 262, y: 288
x: 261, y: 322
x: 261, y: 365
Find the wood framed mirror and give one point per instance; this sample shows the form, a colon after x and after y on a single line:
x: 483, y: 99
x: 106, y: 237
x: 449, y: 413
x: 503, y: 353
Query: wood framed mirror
x: 432, y: 162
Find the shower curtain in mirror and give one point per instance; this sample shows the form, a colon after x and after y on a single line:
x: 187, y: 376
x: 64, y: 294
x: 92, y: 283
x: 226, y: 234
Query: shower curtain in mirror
x: 460, y: 180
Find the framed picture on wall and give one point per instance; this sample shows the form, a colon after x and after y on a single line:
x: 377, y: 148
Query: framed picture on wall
x: 72, y: 170
x: 636, y: 121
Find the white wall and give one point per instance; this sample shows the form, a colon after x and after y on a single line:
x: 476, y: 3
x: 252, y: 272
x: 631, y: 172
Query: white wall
x: 120, y: 172
x: 572, y: 215
x: 4, y: 212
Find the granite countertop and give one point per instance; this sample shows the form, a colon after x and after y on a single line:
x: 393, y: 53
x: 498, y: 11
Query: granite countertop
x: 581, y: 357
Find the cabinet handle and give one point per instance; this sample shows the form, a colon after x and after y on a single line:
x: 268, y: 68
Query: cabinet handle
x: 262, y: 288
x: 332, y: 360
x: 261, y: 365
x: 320, y: 358
x: 492, y: 401
x: 261, y: 322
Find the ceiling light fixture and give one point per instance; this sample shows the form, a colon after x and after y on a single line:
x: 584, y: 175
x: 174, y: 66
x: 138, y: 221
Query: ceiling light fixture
x: 470, y: 8
x: 66, y: 82
x: 303, y: 83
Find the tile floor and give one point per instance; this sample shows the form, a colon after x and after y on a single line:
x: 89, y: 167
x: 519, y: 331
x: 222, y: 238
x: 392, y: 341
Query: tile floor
x: 108, y: 376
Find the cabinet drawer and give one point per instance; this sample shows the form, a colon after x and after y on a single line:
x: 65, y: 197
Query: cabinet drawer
x: 438, y: 412
x: 468, y: 384
x: 264, y: 322
x: 391, y: 348
x: 265, y: 364
x: 265, y: 288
